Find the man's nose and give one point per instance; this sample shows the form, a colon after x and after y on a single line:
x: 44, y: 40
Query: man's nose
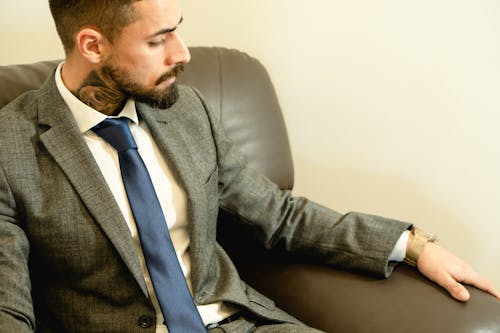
x: 177, y: 51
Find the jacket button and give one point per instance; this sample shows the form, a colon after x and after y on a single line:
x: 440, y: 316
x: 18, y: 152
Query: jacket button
x: 145, y: 322
x: 201, y: 297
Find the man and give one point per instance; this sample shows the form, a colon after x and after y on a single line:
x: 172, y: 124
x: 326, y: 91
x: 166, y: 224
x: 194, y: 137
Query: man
x: 74, y: 252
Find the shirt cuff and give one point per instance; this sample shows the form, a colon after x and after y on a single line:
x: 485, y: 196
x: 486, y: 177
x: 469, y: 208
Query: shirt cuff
x: 399, y: 251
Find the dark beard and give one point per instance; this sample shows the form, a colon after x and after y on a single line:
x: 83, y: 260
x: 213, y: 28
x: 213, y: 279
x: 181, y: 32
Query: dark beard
x: 156, y: 98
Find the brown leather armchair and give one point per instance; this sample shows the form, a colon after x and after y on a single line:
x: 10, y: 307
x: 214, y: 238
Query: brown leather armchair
x: 238, y: 89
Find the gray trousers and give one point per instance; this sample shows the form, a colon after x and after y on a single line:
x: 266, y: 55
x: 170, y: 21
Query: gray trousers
x: 245, y: 325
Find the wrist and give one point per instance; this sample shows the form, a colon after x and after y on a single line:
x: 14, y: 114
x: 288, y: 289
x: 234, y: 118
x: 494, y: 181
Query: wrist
x: 417, y: 241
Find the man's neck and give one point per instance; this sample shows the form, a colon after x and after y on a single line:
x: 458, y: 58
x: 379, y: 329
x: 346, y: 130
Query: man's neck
x: 93, y: 88
x: 100, y: 94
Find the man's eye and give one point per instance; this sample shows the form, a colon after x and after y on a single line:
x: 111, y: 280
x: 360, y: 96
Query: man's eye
x: 156, y: 42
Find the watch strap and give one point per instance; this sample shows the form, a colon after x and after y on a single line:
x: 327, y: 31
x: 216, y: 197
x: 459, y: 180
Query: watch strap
x: 416, y: 247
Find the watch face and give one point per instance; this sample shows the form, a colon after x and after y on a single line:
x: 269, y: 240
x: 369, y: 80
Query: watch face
x: 415, y: 248
x: 428, y: 236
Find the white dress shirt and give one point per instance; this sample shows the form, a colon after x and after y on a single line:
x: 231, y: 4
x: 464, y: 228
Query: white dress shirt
x: 171, y: 195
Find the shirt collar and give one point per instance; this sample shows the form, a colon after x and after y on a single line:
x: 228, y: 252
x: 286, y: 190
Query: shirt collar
x: 85, y: 116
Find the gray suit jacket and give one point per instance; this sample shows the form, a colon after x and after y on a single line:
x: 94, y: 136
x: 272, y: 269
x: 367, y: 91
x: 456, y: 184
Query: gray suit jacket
x: 67, y: 256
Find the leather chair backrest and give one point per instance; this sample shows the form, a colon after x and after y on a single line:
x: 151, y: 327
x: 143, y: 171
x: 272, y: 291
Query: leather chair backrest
x: 235, y: 86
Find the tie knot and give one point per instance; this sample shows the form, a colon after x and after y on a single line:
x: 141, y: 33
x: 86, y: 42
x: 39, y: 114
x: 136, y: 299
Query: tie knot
x: 116, y: 132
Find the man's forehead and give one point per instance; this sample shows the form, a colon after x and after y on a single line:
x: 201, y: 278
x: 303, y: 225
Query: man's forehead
x: 157, y: 15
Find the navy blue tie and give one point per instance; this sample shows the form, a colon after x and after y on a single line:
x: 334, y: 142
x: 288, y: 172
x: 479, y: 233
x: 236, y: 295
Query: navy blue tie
x: 176, y: 302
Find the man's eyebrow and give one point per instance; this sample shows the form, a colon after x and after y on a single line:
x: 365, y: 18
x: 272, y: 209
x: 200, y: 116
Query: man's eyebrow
x: 167, y: 30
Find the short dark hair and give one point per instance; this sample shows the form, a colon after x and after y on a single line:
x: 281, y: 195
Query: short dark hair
x: 107, y: 16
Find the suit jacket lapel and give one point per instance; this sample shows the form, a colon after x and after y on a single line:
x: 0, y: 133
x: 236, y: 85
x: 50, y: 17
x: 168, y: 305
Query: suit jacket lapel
x: 65, y: 143
x: 173, y: 145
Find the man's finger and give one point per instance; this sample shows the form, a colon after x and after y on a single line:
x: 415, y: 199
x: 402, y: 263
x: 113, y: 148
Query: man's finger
x: 480, y: 282
x: 456, y: 290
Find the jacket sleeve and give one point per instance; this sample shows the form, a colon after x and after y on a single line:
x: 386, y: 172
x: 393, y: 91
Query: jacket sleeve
x: 16, y: 308
x: 354, y: 240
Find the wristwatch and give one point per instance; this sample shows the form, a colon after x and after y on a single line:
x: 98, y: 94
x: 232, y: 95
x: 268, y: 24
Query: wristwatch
x: 415, y: 248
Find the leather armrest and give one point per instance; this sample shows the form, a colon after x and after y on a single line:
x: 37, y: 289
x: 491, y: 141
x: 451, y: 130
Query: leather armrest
x: 339, y: 301
x: 335, y: 300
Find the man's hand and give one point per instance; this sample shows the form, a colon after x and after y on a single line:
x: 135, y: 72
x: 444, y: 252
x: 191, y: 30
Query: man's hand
x: 449, y: 271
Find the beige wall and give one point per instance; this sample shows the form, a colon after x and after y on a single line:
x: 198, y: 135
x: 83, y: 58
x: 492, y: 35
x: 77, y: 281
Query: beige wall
x: 27, y: 33
x: 392, y: 106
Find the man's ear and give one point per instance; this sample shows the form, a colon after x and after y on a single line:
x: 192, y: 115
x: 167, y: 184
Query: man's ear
x: 92, y: 45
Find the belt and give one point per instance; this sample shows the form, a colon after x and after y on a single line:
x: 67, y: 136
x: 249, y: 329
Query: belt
x: 224, y: 321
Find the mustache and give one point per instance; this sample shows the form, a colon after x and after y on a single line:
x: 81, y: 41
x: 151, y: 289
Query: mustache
x: 176, y: 71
